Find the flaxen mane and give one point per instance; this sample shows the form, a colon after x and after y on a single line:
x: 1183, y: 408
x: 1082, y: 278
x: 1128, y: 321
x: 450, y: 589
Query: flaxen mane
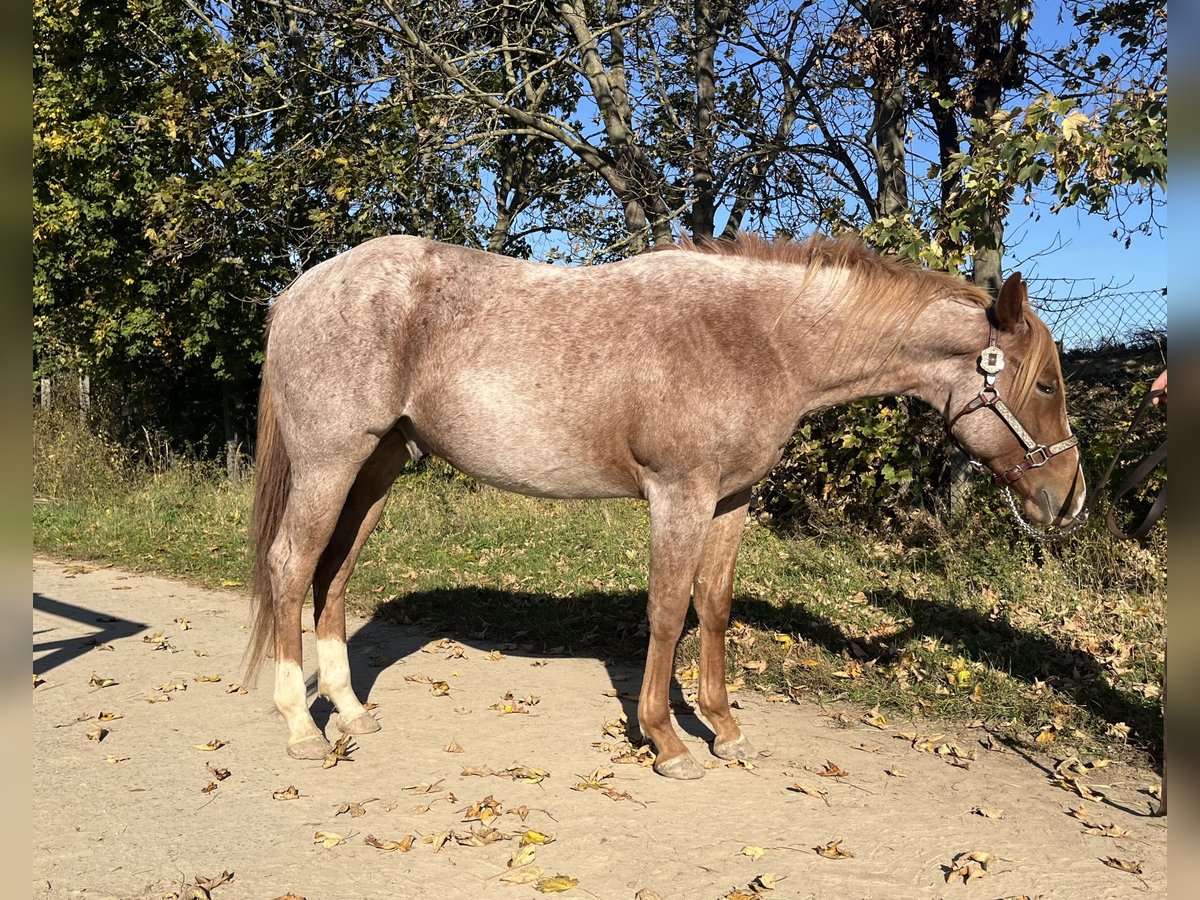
x: 888, y: 291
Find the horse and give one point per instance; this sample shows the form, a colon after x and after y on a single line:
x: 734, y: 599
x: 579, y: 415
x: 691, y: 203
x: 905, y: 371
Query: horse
x: 674, y: 376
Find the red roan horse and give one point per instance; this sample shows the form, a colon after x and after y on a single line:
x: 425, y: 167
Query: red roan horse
x: 674, y: 376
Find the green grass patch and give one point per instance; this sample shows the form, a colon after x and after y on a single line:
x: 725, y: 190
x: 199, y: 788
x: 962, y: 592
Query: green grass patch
x: 934, y: 626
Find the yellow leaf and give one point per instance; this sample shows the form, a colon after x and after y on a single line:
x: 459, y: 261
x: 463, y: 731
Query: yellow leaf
x: 555, y: 884
x: 536, y: 837
x: 522, y: 856
x: 755, y: 853
x: 214, y: 744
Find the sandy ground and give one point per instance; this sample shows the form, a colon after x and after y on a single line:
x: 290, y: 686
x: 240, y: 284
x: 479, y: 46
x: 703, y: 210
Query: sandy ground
x: 126, y: 816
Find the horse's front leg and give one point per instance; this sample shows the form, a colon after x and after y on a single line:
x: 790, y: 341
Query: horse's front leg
x: 713, y: 596
x: 680, y: 512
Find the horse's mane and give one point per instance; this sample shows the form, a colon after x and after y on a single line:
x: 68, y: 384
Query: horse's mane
x: 886, y: 290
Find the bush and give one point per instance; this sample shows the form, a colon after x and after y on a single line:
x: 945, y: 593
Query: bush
x: 70, y: 461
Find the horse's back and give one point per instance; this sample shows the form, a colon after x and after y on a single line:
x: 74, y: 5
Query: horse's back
x: 536, y: 378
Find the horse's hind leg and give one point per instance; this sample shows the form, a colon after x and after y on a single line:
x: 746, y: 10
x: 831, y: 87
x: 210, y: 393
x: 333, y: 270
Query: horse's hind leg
x: 314, y: 503
x: 680, y: 513
x: 712, y: 597
x: 363, y: 507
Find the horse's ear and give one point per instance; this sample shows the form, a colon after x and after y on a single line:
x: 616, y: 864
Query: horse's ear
x: 1010, y: 305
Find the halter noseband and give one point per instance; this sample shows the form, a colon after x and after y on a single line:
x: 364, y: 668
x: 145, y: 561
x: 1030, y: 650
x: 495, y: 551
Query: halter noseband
x: 991, y: 362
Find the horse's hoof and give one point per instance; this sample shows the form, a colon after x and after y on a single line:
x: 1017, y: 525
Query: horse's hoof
x: 314, y: 747
x: 683, y: 768
x: 739, y: 749
x: 363, y: 723
x: 1162, y: 809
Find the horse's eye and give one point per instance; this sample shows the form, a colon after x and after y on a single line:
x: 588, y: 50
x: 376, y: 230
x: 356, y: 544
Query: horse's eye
x: 1047, y: 387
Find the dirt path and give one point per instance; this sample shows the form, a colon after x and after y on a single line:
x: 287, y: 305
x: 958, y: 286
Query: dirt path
x: 126, y: 817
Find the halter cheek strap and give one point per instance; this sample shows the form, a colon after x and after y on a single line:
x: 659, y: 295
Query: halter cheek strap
x: 991, y: 362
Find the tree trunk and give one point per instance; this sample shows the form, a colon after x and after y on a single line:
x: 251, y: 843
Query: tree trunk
x: 708, y: 24
x: 890, y: 127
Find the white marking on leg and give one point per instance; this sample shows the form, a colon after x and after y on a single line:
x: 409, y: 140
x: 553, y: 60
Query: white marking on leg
x: 333, y: 680
x: 291, y: 699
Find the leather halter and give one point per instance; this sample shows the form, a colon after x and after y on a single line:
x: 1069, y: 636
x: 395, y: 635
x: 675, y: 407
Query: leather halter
x: 991, y: 362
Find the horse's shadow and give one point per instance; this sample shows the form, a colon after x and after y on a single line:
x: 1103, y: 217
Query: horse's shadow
x: 609, y: 626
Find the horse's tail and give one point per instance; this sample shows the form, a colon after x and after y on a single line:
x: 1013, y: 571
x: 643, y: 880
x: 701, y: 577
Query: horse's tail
x: 273, y: 471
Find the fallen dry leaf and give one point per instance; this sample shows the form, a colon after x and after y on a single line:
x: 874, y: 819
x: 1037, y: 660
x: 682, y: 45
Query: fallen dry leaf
x: 484, y: 811
x: 522, y: 856
x: 403, y: 845
x: 1112, y: 830
x: 481, y: 837
x: 207, y: 679
x: 288, y: 793
x: 341, y: 750
x: 832, y: 770
x: 38, y: 679
x: 183, y: 624
x: 235, y: 689
x: 833, y: 850
x: 328, y: 839
x: 96, y: 733
x: 524, y: 875
x: 217, y: 772
x: 536, y: 837
x: 1125, y: 865
x: 755, y: 853
x: 354, y: 809
x: 439, y: 689
x: 556, y: 884
x: 799, y: 788
x: 439, y: 840
x: 988, y: 812
x: 101, y: 681
x: 894, y: 772
x: 875, y: 718
x: 103, y: 716
x: 209, y: 788
x: 419, y: 679
x: 453, y: 746
x: 214, y: 744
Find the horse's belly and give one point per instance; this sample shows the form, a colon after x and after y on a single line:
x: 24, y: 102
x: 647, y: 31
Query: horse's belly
x: 525, y: 457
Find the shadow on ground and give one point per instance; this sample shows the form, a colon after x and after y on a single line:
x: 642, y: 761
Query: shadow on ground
x: 609, y: 626
x: 59, y: 650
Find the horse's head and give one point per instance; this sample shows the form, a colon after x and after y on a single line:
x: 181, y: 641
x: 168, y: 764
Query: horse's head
x: 1008, y: 410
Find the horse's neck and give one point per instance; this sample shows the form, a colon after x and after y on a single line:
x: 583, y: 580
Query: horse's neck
x: 835, y: 361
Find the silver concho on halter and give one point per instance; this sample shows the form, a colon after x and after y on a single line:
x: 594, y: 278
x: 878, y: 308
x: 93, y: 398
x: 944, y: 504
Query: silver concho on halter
x: 991, y: 361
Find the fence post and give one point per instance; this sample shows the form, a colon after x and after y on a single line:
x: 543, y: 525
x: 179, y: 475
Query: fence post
x: 85, y: 396
x: 46, y: 389
x: 961, y: 484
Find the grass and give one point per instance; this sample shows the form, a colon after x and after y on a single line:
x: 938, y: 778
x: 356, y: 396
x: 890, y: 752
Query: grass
x: 1057, y: 648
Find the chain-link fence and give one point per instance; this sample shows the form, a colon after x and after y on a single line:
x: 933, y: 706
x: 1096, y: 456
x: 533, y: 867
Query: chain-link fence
x: 1083, y: 317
